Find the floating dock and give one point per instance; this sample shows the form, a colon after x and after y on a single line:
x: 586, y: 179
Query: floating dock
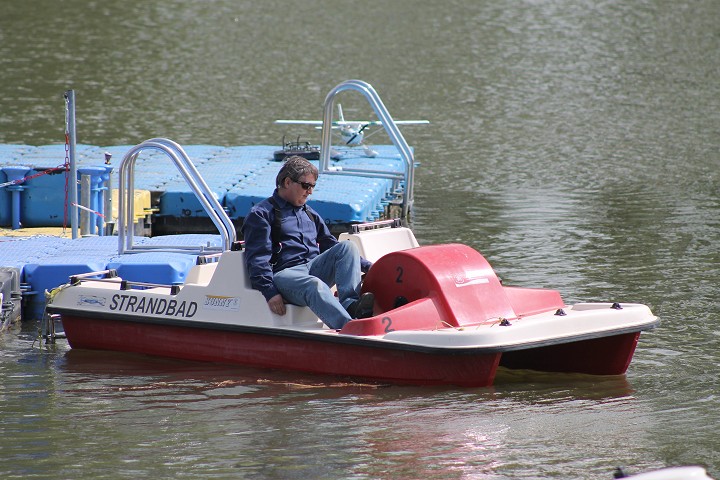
x: 239, y: 176
x: 43, y: 262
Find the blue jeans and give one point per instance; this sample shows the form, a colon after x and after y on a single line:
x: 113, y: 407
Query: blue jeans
x: 310, y: 284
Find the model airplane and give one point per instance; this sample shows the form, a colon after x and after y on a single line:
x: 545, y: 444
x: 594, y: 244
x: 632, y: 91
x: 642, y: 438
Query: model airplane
x: 352, y: 132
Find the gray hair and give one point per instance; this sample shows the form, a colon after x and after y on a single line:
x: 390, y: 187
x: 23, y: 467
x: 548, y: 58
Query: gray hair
x: 294, y: 168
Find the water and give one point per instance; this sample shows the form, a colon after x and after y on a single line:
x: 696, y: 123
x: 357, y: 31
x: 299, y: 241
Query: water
x: 573, y: 143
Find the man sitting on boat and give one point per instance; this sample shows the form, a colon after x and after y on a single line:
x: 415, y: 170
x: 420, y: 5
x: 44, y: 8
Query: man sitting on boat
x: 292, y: 257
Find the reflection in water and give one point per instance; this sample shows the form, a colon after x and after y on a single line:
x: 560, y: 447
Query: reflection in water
x: 135, y: 372
x: 400, y: 431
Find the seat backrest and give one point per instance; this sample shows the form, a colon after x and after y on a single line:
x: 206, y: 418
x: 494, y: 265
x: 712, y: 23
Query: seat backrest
x: 373, y: 244
x: 201, y: 274
x: 230, y: 273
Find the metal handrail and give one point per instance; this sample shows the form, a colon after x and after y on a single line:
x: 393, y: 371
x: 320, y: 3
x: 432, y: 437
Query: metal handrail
x: 126, y: 207
x: 390, y: 127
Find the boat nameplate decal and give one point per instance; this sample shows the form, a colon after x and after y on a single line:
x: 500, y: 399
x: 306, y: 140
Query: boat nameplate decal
x: 221, y: 302
x: 92, y: 300
x: 153, y: 306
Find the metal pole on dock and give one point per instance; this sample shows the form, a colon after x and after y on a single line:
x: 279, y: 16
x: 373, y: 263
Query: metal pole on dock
x: 70, y: 124
x: 85, y: 199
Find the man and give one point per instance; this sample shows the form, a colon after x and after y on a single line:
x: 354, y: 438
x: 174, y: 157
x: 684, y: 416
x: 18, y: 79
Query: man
x: 295, y: 259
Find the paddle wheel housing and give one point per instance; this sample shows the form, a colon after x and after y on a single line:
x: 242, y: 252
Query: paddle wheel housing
x: 443, y: 286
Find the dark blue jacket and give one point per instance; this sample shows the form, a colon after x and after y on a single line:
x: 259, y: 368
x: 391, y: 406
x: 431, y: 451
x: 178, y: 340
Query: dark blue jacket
x: 303, y: 238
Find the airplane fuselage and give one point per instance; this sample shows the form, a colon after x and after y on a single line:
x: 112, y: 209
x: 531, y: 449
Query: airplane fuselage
x: 352, y: 134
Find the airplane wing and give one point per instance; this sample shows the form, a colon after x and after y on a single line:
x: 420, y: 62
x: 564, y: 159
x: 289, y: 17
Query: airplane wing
x: 299, y: 122
x: 371, y: 123
x: 350, y: 122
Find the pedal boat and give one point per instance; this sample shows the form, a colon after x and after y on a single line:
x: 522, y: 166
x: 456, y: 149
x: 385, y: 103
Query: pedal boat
x: 441, y: 317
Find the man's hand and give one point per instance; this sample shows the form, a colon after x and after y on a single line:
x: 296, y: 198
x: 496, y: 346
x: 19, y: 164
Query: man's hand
x: 277, y: 304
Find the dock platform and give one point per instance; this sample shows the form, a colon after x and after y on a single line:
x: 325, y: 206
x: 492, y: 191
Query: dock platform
x: 240, y: 176
x: 43, y: 262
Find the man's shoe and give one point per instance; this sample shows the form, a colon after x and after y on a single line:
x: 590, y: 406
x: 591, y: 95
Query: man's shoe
x: 362, y: 308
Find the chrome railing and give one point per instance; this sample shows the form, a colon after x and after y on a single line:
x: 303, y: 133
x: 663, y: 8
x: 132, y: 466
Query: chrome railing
x: 408, y: 175
x: 126, y: 205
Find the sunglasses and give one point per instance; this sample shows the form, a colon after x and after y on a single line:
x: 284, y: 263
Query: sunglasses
x: 305, y: 185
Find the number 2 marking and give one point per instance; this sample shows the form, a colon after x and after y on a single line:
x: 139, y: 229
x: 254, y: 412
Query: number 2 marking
x: 398, y: 279
x: 388, y: 321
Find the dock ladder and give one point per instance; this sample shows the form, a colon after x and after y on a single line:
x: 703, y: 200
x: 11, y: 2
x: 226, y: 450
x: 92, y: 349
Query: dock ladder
x: 407, y: 176
x: 126, y: 213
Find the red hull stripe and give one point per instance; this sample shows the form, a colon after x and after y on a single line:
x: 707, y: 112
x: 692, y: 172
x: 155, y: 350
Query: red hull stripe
x: 291, y: 353
x: 344, y: 355
x: 598, y: 356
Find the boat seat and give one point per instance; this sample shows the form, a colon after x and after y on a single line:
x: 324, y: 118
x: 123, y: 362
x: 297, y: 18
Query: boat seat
x: 374, y: 244
x: 229, y: 277
x: 201, y: 274
x: 230, y: 273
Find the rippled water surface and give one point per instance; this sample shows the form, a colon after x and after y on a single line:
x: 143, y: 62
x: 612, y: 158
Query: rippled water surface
x: 575, y: 144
